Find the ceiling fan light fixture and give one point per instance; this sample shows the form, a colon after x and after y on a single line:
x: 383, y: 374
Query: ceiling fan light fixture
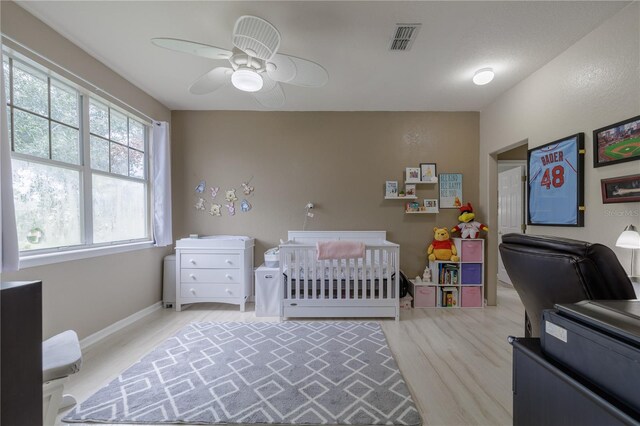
x: 483, y: 76
x: 246, y: 80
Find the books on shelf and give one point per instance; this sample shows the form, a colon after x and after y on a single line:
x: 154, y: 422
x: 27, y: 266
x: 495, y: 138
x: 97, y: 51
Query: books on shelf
x: 448, y: 273
x: 448, y: 297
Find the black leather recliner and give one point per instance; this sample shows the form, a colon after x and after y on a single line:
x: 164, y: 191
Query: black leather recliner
x: 549, y: 270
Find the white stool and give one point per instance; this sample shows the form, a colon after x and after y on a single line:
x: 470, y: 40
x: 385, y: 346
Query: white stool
x: 61, y: 357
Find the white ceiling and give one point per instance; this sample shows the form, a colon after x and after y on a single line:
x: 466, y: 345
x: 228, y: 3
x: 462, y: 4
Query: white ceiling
x: 350, y: 39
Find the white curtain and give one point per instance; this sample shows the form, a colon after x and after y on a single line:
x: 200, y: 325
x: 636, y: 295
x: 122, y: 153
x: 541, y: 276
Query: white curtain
x: 161, y: 169
x: 9, y: 254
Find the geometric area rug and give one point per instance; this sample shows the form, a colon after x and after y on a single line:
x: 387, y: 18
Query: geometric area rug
x: 267, y: 373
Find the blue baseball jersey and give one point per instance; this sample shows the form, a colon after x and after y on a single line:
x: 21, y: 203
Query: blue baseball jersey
x: 553, y: 176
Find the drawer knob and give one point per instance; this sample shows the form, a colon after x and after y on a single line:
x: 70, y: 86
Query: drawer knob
x: 193, y: 277
x: 268, y: 276
x: 193, y: 290
x: 228, y: 276
x: 193, y: 262
x: 229, y: 261
x: 228, y: 291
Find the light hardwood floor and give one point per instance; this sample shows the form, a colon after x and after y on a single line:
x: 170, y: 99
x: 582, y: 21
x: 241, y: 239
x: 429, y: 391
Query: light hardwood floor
x: 457, y: 363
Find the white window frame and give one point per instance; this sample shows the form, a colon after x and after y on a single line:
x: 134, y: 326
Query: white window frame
x: 87, y: 248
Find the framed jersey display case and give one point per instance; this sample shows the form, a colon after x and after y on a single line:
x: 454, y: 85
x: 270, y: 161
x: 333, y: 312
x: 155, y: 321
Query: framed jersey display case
x: 556, y: 183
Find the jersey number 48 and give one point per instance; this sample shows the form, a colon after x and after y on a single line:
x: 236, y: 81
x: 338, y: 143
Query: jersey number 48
x: 554, y: 177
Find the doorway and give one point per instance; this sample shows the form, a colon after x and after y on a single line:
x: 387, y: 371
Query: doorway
x: 511, y: 198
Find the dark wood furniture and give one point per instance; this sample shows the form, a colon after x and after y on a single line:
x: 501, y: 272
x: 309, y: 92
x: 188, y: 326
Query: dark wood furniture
x: 21, y: 353
x: 547, y: 393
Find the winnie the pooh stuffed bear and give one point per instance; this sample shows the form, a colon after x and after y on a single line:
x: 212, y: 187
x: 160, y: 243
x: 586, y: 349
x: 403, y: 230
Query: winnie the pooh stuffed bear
x: 442, y: 248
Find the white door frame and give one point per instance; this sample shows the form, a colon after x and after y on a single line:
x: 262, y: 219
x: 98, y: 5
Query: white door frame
x: 508, y: 164
x: 504, y: 165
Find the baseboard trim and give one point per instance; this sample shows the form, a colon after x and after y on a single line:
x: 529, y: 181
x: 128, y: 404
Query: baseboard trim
x: 117, y: 326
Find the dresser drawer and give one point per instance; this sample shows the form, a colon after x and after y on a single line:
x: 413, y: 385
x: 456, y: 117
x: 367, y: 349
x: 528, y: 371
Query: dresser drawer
x: 209, y: 260
x: 210, y: 290
x: 223, y: 276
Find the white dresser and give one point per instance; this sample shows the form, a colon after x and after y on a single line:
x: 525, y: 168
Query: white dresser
x: 217, y: 268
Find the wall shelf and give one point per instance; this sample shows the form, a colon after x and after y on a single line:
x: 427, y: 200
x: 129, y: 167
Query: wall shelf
x: 392, y: 190
x: 406, y: 212
x: 418, y: 182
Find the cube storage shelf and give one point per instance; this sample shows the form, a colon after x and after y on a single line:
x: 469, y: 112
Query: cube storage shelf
x: 455, y: 284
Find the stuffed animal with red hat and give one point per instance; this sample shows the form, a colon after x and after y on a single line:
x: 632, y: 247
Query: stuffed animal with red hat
x: 468, y: 226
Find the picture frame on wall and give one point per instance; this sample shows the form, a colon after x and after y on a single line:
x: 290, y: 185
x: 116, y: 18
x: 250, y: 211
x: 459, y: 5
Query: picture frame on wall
x: 555, y: 195
x: 428, y: 172
x: 431, y: 205
x: 450, y: 185
x: 391, y: 188
x: 412, y: 207
x: 617, y: 143
x: 412, y: 174
x: 623, y: 189
x: 410, y: 190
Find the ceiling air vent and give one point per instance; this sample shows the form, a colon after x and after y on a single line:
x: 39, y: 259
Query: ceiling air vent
x: 403, y: 36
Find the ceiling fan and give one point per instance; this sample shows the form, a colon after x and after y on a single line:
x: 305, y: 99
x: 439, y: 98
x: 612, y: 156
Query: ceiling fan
x: 256, y: 66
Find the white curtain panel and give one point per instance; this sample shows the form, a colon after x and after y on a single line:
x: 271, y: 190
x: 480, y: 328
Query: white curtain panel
x: 161, y: 169
x: 9, y: 253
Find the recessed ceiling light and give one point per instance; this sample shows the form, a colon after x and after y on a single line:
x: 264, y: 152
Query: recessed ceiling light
x: 483, y: 76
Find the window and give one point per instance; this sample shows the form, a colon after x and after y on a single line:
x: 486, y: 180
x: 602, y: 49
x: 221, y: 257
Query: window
x: 79, y: 164
x: 117, y: 150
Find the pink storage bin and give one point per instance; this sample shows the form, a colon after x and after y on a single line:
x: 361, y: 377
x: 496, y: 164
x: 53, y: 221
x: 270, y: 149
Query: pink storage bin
x: 471, y: 297
x: 472, y: 251
x: 424, y: 297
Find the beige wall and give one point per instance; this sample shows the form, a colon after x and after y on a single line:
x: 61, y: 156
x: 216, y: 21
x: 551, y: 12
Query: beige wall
x: 20, y: 25
x: 593, y: 83
x: 518, y: 153
x: 88, y: 295
x: 337, y: 160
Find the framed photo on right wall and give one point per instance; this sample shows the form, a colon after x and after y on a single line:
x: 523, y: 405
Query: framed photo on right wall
x: 624, y: 189
x: 617, y: 143
x: 555, y: 195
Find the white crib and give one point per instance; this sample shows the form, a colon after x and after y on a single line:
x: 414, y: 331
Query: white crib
x: 366, y: 287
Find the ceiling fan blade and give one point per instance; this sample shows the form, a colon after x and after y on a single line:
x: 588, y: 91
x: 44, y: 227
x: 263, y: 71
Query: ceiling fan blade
x: 298, y: 71
x: 198, y: 49
x: 256, y: 37
x: 211, y: 81
x: 271, y: 95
